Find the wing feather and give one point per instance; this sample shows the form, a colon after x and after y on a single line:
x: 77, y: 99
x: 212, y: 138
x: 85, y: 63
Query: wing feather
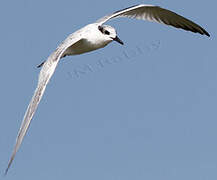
x: 156, y: 14
x: 46, y: 73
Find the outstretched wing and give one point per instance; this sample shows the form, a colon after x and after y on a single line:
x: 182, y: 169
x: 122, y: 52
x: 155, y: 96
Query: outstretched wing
x: 46, y: 72
x: 156, y: 14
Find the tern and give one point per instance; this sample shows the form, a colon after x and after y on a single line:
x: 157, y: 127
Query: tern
x: 89, y: 38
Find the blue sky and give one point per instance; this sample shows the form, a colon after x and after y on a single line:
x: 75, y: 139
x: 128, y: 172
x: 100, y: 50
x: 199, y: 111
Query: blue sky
x: 145, y: 110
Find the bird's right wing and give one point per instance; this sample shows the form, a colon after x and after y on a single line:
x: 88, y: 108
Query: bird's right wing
x: 155, y: 14
x: 46, y: 72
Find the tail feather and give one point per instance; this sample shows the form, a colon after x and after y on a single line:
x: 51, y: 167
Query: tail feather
x: 40, y: 65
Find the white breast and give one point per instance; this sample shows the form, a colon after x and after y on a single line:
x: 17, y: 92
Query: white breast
x: 93, y: 40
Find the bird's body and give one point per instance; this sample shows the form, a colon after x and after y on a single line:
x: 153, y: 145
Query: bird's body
x: 91, y: 40
x: 92, y: 37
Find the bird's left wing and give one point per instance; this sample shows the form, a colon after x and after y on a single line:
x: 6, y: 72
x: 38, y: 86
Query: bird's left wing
x: 156, y: 14
x: 46, y: 72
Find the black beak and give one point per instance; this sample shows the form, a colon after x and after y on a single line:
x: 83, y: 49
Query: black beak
x: 118, y: 40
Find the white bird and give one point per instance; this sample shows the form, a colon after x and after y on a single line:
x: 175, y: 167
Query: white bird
x: 92, y: 37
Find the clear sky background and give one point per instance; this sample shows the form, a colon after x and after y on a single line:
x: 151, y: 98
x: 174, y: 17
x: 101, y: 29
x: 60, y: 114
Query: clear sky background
x: 145, y: 110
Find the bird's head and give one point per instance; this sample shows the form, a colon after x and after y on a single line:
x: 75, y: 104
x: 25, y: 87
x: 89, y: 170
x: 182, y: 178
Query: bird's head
x: 109, y: 33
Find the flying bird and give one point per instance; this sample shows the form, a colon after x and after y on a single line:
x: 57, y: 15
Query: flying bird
x: 89, y: 38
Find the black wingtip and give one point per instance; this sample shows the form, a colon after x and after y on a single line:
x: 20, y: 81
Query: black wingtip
x: 206, y: 33
x: 6, y: 172
x: 9, y: 165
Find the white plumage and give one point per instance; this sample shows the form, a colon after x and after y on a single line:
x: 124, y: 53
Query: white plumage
x: 92, y: 37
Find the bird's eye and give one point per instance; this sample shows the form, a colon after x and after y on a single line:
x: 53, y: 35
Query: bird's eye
x: 107, y: 32
x: 100, y: 28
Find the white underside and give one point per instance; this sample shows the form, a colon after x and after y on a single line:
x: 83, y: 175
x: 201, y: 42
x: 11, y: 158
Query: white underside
x: 86, y: 45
